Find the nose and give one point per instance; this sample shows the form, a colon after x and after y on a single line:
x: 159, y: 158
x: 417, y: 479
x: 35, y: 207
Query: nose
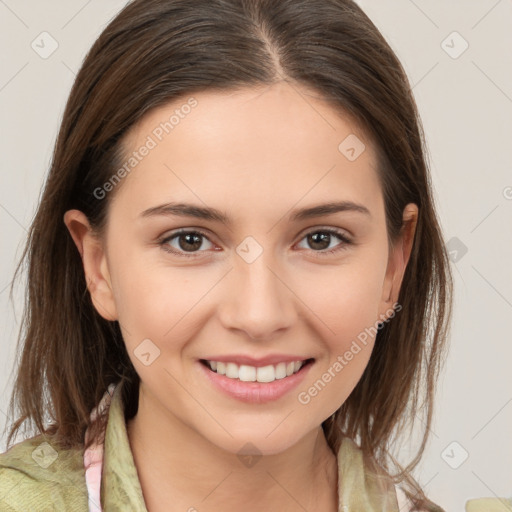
x: 258, y: 300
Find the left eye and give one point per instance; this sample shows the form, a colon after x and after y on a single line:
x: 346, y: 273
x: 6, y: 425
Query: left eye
x: 320, y: 237
x: 191, y: 241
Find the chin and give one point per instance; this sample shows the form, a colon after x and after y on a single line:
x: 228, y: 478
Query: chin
x: 255, y: 442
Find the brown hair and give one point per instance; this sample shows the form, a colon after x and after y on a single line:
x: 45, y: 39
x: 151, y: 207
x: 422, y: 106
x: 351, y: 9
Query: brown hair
x: 155, y: 51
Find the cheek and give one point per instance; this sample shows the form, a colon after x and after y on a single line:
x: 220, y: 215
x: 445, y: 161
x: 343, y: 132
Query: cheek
x: 345, y: 299
x: 345, y: 310
x: 149, y: 298
x: 161, y: 303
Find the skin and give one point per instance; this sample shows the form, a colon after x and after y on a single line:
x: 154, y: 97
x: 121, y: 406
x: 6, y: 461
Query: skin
x: 255, y: 154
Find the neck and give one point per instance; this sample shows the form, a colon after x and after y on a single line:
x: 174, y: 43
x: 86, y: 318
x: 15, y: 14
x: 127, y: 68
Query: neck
x: 178, y: 466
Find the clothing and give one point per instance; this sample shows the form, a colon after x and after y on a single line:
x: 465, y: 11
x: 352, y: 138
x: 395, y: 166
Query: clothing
x: 93, y: 460
x: 35, y: 475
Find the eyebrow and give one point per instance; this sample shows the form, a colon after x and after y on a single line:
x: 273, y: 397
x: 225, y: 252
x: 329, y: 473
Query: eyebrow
x: 206, y: 213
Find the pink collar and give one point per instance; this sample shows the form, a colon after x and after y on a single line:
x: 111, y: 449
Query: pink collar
x: 93, y: 462
x: 93, y: 456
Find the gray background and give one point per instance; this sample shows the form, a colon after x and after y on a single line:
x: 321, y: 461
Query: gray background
x: 465, y: 102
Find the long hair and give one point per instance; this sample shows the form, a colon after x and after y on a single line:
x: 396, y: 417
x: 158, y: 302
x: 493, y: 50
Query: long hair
x: 155, y: 51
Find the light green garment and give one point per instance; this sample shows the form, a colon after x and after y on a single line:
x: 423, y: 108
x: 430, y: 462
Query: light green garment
x: 32, y: 479
x: 489, y: 505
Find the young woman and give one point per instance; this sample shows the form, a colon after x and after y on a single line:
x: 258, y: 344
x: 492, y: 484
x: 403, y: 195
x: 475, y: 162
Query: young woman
x: 238, y: 291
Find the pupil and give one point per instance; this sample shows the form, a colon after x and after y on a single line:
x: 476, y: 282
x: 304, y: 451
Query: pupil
x: 315, y: 239
x: 189, y: 237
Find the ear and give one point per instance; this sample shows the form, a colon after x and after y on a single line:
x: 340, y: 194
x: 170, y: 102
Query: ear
x: 95, y: 263
x: 399, y: 256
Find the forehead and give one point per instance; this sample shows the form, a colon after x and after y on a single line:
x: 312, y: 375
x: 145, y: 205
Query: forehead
x: 276, y: 144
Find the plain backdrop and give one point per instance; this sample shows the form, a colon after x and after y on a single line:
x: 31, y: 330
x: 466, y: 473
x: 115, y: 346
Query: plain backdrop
x: 457, y: 56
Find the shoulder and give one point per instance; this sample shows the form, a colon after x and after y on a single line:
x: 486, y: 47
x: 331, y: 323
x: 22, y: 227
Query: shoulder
x: 37, y: 474
x: 406, y: 505
x: 363, y: 483
x: 489, y: 505
x: 473, y: 505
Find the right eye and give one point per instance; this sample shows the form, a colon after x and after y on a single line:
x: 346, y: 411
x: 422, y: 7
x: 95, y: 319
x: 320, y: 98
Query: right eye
x: 187, y: 239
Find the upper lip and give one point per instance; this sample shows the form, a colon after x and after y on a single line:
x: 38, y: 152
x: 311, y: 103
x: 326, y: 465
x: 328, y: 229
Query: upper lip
x: 273, y: 359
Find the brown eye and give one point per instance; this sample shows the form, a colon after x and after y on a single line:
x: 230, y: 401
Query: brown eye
x: 321, y: 239
x: 188, y: 242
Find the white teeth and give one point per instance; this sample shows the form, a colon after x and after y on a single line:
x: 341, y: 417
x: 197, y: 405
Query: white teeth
x: 266, y: 374
x: 232, y: 370
x: 281, y: 370
x: 221, y: 368
x: 248, y: 373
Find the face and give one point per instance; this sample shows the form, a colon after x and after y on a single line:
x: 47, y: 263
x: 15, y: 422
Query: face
x: 266, y: 285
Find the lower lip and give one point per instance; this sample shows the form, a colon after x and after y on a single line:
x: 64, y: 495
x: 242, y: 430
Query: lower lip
x: 256, y: 392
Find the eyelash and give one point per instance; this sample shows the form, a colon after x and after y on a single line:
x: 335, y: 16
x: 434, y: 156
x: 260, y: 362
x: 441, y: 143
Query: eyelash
x: 163, y: 243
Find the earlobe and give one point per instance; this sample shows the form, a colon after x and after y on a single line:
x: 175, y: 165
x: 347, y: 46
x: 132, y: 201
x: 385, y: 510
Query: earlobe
x: 395, y: 276
x: 95, y: 264
x: 399, y: 256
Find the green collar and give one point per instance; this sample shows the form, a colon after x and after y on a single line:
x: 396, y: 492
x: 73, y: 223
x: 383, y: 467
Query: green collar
x: 361, y: 485
x: 120, y: 486
x: 36, y: 474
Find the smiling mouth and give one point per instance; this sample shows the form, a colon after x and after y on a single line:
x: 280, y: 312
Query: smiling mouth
x: 263, y: 374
